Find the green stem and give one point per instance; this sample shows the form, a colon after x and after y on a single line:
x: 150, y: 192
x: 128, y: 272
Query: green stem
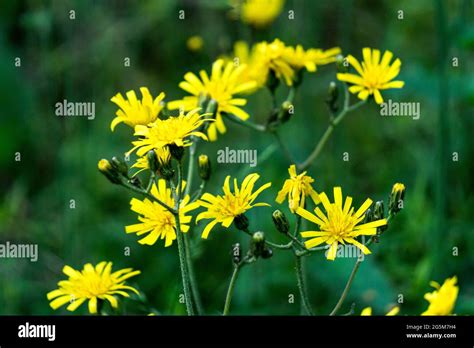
x: 302, y: 286
x: 230, y: 289
x: 248, y: 124
x: 148, y: 195
x: 181, y: 248
x: 346, y: 289
x: 274, y: 245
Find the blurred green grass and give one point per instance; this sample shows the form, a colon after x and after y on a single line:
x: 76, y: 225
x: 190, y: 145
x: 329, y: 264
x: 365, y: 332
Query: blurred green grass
x: 82, y: 60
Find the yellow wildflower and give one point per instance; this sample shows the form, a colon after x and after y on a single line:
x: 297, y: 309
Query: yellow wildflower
x: 134, y: 112
x: 340, y: 224
x: 443, y: 299
x: 222, y: 86
x: 298, y: 58
x: 368, y: 311
x: 93, y: 284
x: 260, y: 13
x: 374, y: 74
x: 270, y: 56
x: 297, y: 187
x: 224, y: 209
x: 172, y: 131
x: 157, y: 221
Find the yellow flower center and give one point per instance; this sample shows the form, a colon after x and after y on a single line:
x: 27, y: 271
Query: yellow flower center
x: 339, y: 223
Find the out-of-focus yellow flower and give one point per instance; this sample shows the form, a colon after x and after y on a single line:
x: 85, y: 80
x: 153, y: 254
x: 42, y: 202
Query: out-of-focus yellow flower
x: 311, y: 58
x: 172, y: 131
x: 340, y: 224
x: 270, y: 57
x: 224, y: 209
x: 374, y: 74
x: 222, y: 86
x: 195, y: 43
x: 259, y: 13
x: 368, y: 311
x: 443, y: 299
x: 157, y: 221
x: 297, y: 187
x: 134, y: 112
x: 92, y: 284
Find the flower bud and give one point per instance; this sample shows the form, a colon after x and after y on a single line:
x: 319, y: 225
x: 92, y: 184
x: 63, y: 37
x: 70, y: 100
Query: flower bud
x: 106, y: 168
x: 396, y: 198
x: 331, y: 99
x: 369, y: 216
x: 120, y: 166
x: 340, y: 64
x: 176, y: 151
x: 285, y: 112
x: 379, y: 211
x: 281, y: 222
x: 267, y: 253
x: 204, y: 167
x: 152, y: 161
x: 241, y: 222
x: 211, y: 107
x: 257, y: 245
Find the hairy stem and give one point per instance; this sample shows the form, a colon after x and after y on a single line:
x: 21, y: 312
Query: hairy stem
x: 302, y: 286
x: 230, y: 289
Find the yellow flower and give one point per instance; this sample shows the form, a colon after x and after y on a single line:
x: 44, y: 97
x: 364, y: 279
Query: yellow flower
x: 195, y: 43
x: 253, y: 66
x: 398, y: 188
x: 134, y: 112
x: 222, y: 86
x: 163, y: 155
x: 270, y: 56
x: 297, y: 188
x: 368, y: 311
x: 93, y: 284
x: 157, y: 221
x: 340, y: 224
x: 443, y: 299
x: 224, y: 209
x: 311, y: 58
x: 172, y: 131
x: 260, y: 13
x: 374, y: 74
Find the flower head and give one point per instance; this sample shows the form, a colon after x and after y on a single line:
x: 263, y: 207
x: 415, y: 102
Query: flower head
x: 93, y: 284
x: 340, y: 224
x: 260, y: 13
x: 443, y: 299
x: 374, y: 74
x: 155, y: 220
x: 222, y: 86
x: 311, y: 58
x: 297, y: 187
x: 271, y: 57
x: 368, y: 311
x: 134, y: 112
x: 224, y: 209
x: 172, y: 131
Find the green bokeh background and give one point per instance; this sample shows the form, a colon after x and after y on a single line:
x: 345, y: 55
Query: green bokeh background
x: 83, y: 60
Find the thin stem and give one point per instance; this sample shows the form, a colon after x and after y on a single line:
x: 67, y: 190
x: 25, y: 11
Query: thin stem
x: 181, y: 248
x: 302, y: 286
x: 346, y: 289
x: 198, y: 192
x: 251, y: 125
x: 150, y: 182
x: 273, y: 245
x: 148, y: 195
x: 230, y: 289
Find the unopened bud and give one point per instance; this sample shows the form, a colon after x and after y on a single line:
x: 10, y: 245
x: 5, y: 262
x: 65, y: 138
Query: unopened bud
x: 396, y: 198
x: 267, y: 253
x: 340, y: 61
x: 204, y: 166
x: 281, y: 222
x: 331, y: 99
x: 152, y: 161
x: 120, y: 166
x: 285, y: 112
x: 379, y: 211
x: 257, y: 246
x: 106, y: 168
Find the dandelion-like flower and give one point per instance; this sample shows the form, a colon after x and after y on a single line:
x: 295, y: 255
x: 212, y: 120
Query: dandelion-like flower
x: 340, y: 224
x: 260, y: 13
x: 296, y: 188
x: 222, y: 86
x: 224, y: 209
x: 155, y: 220
x: 172, y: 131
x: 135, y: 112
x: 443, y: 299
x: 368, y: 312
x: 374, y: 74
x: 311, y: 58
x: 163, y: 155
x: 271, y: 57
x: 92, y: 284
